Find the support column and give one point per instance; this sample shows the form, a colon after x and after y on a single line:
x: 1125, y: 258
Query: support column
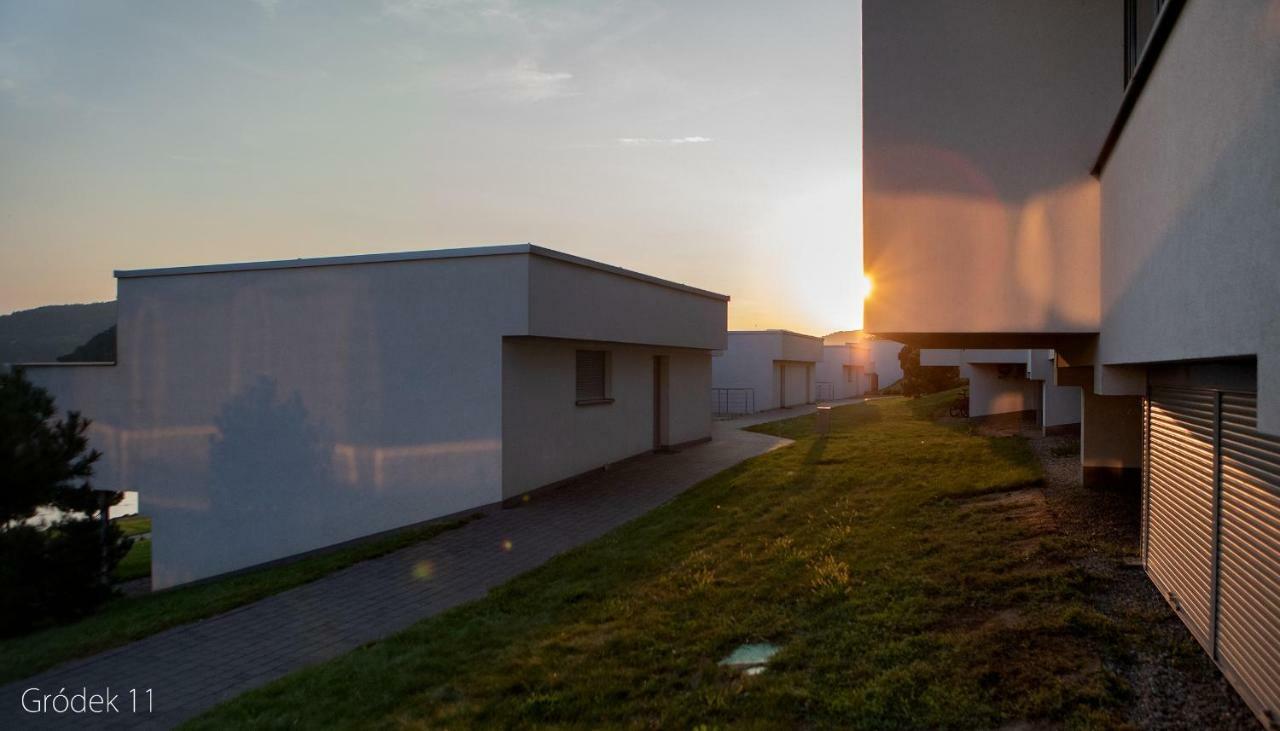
x: 1061, y: 406
x: 1110, y: 441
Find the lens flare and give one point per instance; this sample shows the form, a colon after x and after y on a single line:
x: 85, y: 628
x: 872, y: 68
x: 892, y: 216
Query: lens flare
x: 865, y: 285
x: 506, y: 544
x: 424, y: 570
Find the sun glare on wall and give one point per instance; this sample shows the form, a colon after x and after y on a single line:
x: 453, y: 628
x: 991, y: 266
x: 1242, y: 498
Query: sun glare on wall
x: 865, y: 286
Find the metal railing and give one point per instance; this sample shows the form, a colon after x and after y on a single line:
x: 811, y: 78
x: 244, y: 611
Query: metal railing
x: 733, y: 401
x: 825, y: 391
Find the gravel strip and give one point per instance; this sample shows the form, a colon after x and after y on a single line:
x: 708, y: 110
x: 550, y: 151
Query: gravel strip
x: 1174, y: 683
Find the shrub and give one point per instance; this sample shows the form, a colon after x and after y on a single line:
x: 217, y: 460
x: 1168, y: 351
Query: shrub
x: 57, y: 571
x: 918, y: 380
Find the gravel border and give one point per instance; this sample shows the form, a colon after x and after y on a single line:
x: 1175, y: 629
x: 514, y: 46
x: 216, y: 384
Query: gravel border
x: 1175, y: 684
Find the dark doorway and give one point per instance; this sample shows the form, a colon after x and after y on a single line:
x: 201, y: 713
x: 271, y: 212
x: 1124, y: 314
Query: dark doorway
x: 659, y: 402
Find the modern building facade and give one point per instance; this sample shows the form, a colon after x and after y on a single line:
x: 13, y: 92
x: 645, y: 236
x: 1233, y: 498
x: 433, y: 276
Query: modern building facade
x: 884, y: 357
x: 880, y: 356
x: 761, y: 370
x: 264, y: 410
x: 845, y: 371
x: 1012, y: 382
x: 1100, y: 178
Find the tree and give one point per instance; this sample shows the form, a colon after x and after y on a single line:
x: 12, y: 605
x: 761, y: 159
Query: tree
x: 918, y: 380
x: 52, y: 571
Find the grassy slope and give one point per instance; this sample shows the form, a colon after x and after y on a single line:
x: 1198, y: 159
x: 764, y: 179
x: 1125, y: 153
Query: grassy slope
x: 896, y: 602
x: 133, y: 525
x: 123, y: 620
x: 136, y: 564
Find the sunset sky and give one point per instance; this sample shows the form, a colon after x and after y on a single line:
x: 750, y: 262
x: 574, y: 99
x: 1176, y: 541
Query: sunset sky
x: 712, y: 142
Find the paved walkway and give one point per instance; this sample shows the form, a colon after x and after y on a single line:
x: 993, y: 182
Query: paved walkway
x: 196, y: 666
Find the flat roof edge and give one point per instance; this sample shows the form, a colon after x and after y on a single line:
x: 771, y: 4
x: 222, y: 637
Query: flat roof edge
x: 429, y: 254
x: 325, y: 261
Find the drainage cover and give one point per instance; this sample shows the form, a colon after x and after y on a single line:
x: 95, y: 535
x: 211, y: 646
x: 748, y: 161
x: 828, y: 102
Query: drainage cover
x: 750, y: 659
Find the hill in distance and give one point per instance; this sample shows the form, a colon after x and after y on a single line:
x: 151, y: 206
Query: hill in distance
x: 44, y: 334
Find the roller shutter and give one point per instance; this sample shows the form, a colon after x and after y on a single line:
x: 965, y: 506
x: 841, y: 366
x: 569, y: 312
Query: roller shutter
x: 590, y: 378
x: 1211, y: 530
x: 1248, y: 632
x: 1180, y: 502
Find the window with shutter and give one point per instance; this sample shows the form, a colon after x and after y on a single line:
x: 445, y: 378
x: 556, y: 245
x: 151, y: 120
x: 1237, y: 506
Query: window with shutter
x: 592, y: 377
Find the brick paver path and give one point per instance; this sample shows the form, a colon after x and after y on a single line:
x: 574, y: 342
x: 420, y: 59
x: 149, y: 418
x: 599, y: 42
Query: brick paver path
x: 196, y: 666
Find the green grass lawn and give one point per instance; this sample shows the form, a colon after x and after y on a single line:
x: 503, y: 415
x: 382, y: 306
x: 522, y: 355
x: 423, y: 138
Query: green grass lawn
x: 899, y: 596
x: 136, y: 564
x: 133, y: 525
x: 126, y: 619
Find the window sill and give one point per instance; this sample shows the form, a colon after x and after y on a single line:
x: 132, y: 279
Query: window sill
x: 594, y: 402
x: 1159, y: 34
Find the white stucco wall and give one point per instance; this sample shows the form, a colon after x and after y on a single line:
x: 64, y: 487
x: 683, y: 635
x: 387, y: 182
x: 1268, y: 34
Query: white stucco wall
x: 756, y: 359
x: 747, y: 362
x: 571, y: 301
x: 997, y: 356
x: 263, y: 412
x: 1040, y: 365
x: 981, y: 122
x: 832, y: 369
x: 941, y: 357
x: 272, y: 412
x: 884, y: 356
x: 1190, y: 249
x: 1060, y: 404
x: 548, y: 437
x: 991, y: 392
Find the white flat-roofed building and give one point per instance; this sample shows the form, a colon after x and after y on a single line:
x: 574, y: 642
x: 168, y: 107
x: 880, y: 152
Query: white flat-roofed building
x: 845, y: 371
x: 263, y: 410
x: 877, y: 357
x: 761, y: 370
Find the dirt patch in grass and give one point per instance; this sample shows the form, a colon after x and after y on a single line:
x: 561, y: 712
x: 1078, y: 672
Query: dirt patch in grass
x: 1027, y: 506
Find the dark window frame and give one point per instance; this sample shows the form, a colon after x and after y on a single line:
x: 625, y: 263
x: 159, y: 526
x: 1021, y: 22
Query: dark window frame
x: 1145, y: 60
x: 1139, y: 26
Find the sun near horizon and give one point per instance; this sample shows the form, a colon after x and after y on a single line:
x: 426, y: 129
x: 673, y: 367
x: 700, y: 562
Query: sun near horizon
x: 280, y: 130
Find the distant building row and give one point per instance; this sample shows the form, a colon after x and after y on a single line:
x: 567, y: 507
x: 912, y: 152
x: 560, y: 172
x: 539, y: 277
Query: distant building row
x: 772, y: 369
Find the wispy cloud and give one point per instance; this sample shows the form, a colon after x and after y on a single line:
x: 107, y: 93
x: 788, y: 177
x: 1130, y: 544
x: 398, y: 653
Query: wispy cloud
x: 653, y: 141
x: 525, y: 82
